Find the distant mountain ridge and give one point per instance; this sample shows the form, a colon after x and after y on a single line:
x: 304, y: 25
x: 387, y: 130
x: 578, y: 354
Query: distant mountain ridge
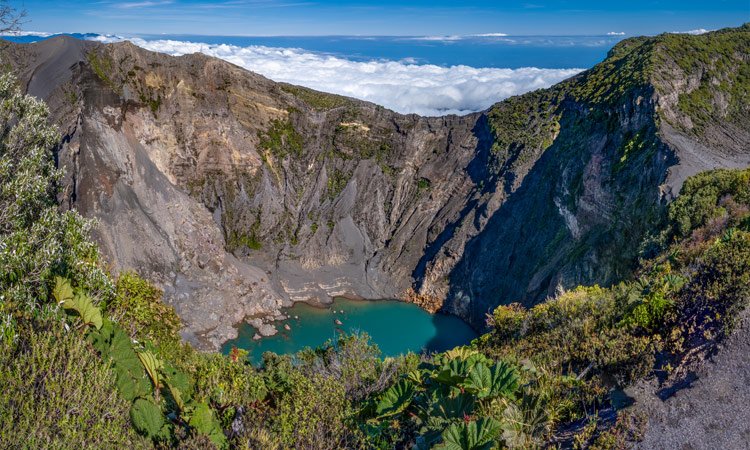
x: 238, y: 195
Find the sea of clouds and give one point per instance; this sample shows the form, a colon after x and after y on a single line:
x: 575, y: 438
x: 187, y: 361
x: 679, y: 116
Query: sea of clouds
x: 402, y: 86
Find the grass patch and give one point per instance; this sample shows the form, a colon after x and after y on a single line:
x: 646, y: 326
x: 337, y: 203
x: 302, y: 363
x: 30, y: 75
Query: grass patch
x: 281, y: 139
x: 315, y: 99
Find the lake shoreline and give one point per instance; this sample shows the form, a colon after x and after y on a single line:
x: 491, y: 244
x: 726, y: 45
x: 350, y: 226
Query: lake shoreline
x: 311, y: 324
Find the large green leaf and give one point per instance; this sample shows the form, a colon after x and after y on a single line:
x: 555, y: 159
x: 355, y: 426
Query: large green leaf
x: 453, y: 372
x: 101, y: 339
x: 180, y: 386
x: 147, y: 417
x: 395, y: 399
x: 152, y: 364
x: 478, y: 358
x: 505, y: 380
x: 525, y: 424
x: 452, y: 407
x: 479, y: 381
x: 205, y: 422
x: 131, y: 378
x: 78, y: 302
x: 500, y: 381
x: 90, y: 314
x: 114, y: 344
x: 416, y: 376
x: 62, y: 291
x: 475, y: 435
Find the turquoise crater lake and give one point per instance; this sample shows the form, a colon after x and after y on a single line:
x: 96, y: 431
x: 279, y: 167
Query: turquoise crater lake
x: 396, y: 327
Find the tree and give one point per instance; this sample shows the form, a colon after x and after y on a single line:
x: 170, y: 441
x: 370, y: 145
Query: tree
x: 11, y: 19
x: 37, y: 240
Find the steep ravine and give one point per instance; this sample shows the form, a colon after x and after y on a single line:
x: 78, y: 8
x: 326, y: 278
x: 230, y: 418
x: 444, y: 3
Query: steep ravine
x: 239, y: 195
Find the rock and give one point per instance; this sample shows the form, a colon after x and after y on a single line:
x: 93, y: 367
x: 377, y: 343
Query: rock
x: 267, y: 329
x: 337, y: 322
x: 287, y: 327
x: 467, y: 211
x: 709, y: 410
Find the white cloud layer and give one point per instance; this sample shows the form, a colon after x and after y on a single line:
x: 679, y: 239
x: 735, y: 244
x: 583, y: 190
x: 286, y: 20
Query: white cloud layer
x: 490, y: 35
x: 616, y: 33
x: 402, y: 86
x: 695, y: 32
x: 18, y: 33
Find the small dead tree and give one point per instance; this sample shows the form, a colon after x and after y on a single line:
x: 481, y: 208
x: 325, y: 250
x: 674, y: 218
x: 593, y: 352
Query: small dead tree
x: 11, y: 18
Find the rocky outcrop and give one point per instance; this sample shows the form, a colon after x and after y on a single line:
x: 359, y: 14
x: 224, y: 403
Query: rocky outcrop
x: 239, y: 195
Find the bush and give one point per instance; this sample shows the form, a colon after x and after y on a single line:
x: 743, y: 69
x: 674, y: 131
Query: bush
x: 313, y: 413
x: 57, y: 393
x: 574, y: 332
x: 137, y: 306
x: 701, y: 198
x: 227, y: 382
x: 36, y: 240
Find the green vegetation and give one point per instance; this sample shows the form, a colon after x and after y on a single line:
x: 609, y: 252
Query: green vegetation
x: 642, y: 142
x: 137, y: 306
x: 102, y: 65
x: 281, y: 139
x: 318, y: 100
x: 723, y: 91
x: 625, y: 71
x: 88, y: 360
x: 354, y: 139
x: 524, y: 125
x: 36, y: 240
x: 153, y: 103
x: 685, y: 298
x: 337, y: 181
x: 251, y: 239
x: 58, y: 393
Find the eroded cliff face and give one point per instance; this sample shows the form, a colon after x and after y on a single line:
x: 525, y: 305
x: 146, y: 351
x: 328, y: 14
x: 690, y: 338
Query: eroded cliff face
x: 239, y: 195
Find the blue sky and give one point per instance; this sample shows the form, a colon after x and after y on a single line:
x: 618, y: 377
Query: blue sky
x: 382, y: 17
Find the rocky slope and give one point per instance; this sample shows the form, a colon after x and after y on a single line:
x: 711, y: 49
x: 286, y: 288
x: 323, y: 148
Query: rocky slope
x: 239, y: 195
x: 708, y: 409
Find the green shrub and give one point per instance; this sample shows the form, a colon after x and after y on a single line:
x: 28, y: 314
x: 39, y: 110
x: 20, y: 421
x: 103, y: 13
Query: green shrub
x: 313, y: 412
x: 718, y: 291
x: 701, y: 198
x: 137, y: 306
x: 226, y: 381
x: 281, y: 139
x: 57, y: 393
x: 507, y: 321
x: 36, y: 240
